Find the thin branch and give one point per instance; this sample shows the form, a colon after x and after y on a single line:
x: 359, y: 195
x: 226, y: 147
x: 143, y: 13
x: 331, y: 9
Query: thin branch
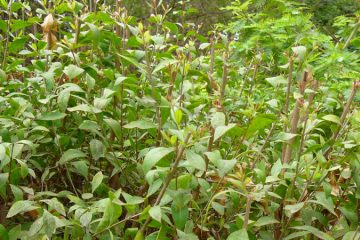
x: 166, y: 182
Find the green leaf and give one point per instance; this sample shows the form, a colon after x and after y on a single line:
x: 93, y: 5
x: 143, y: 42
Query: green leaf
x: 260, y: 122
x: 180, y: 215
x: 73, y: 71
x: 155, y: 213
x: 218, y: 120
x: 70, y: 155
x: 85, y: 219
x: 19, y: 24
x: 325, y: 201
x: 153, y: 156
x: 164, y: 63
x: 223, y: 166
x: 4, y: 233
x: 141, y: 124
x: 89, y: 126
x: 300, y: 52
x: 178, y: 116
x: 220, y: 209
x: 18, y: 193
x: 97, y: 149
x: 294, y: 207
x: 132, y: 200
x: 276, y: 168
x: 283, y: 137
x: 55, y: 204
x: 96, y: 181
x: 4, y: 4
x: 222, y: 130
x: 115, y: 127
x: 351, y: 235
x: 296, y: 235
x: 63, y: 100
x: 36, y: 226
x: 276, y: 81
x: 265, y: 221
x: 332, y: 118
x: 315, y: 232
x: 204, y: 46
x: 81, y: 168
x: 3, y: 76
x: 139, y: 236
x: 81, y: 107
x: 237, y: 235
x: 112, y: 212
x: 52, y: 116
x: 20, y: 207
x: 172, y: 27
x: 134, y: 62
x: 3, y: 184
x: 195, y: 160
x: 18, y: 44
x: 2, y: 152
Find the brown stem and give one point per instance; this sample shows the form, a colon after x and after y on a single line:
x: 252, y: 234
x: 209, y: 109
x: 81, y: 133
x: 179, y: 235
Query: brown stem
x: 172, y: 73
x: 286, y: 109
x: 295, y: 120
x: 225, y: 71
x: 247, y: 211
x: 303, y: 135
x: 288, y: 91
x: 212, y: 83
x: 209, y: 148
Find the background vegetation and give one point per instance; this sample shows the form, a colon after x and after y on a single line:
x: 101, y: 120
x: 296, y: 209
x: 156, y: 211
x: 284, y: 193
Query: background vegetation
x: 179, y: 120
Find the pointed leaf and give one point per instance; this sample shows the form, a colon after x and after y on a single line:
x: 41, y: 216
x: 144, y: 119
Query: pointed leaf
x: 153, y: 156
x: 96, y: 181
x: 70, y: 155
x: 155, y: 213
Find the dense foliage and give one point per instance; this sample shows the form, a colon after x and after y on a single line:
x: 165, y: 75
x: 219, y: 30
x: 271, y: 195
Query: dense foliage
x: 115, y: 127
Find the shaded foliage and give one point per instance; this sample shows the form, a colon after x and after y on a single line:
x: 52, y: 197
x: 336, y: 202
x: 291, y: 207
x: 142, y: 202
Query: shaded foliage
x: 122, y: 127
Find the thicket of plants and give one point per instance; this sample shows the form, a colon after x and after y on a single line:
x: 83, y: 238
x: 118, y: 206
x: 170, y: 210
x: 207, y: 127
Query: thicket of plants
x: 113, y: 127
